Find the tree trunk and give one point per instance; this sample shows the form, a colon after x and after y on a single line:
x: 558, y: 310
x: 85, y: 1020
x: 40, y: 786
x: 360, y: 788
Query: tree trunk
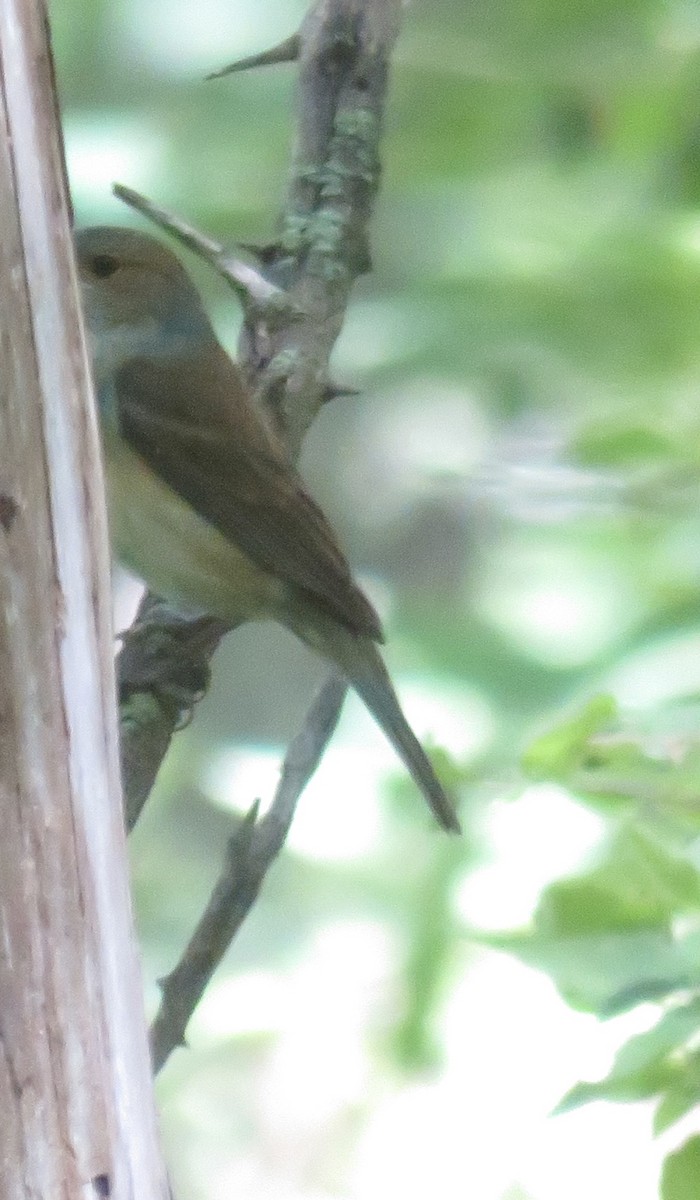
x: 76, y: 1109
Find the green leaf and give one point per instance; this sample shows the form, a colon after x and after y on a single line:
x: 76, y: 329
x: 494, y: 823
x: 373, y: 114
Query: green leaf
x: 678, y: 1101
x: 681, y: 1093
x: 606, y: 938
x: 644, y: 991
x: 638, y: 883
x: 623, y: 445
x: 646, y: 879
x: 557, y: 752
x: 592, y: 971
x: 587, y: 905
x: 615, y: 772
x: 675, y: 1027
x: 680, y: 1178
x: 635, y: 1087
x: 642, y: 1066
x: 611, y: 770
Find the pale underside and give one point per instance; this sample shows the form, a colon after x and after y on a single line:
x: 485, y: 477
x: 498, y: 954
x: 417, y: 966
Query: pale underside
x: 181, y: 556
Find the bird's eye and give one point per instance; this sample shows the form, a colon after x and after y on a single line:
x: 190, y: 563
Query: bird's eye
x: 104, y: 265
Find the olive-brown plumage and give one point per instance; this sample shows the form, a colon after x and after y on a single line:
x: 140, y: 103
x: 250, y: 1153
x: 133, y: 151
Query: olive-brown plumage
x: 203, y: 503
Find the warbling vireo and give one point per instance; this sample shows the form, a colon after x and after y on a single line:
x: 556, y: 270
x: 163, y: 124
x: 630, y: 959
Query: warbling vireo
x: 203, y: 504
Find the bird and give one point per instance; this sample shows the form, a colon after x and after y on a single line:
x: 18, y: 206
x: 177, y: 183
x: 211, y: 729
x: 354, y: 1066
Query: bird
x: 203, y: 503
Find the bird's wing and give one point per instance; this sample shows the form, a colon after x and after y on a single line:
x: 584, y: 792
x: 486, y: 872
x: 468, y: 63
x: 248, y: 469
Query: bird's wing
x: 191, y: 422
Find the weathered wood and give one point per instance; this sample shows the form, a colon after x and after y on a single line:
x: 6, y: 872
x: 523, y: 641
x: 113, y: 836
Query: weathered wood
x: 77, y: 1115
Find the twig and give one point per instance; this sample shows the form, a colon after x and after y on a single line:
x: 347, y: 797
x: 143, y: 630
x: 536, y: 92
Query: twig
x: 254, y: 290
x: 250, y: 853
x: 324, y: 243
x: 287, y: 51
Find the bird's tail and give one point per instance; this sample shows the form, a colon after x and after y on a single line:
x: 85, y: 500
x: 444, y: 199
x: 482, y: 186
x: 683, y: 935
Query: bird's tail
x: 362, y: 665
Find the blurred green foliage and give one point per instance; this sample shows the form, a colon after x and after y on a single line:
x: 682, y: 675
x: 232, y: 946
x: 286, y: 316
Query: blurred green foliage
x: 520, y: 477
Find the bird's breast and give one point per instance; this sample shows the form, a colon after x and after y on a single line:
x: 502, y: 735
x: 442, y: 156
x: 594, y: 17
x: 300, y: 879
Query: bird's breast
x: 180, y: 555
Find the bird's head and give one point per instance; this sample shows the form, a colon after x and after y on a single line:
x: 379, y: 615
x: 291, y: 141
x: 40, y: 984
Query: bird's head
x: 138, y: 298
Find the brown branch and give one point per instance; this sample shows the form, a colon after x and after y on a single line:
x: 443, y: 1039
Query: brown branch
x: 286, y: 343
x: 344, y: 53
x: 324, y: 242
x: 287, y: 51
x: 250, y: 853
x: 254, y: 290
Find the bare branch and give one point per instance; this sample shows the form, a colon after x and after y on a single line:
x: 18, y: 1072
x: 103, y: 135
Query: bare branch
x: 255, y: 291
x: 344, y: 54
x: 250, y: 853
x: 287, y: 51
x: 344, y: 48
